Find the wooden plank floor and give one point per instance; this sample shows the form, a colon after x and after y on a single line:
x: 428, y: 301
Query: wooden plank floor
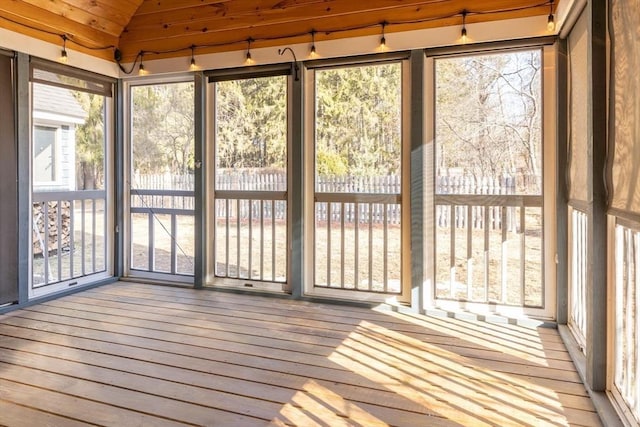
x: 129, y: 354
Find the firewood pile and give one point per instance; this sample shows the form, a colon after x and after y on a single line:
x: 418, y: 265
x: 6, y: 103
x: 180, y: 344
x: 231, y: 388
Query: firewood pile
x: 40, y: 236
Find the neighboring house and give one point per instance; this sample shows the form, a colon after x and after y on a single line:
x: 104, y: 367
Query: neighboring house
x: 56, y: 113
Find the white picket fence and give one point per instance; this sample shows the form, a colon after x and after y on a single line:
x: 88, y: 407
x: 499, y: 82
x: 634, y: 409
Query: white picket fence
x: 481, y: 216
x: 389, y: 184
x: 249, y: 180
x: 163, y: 182
x: 470, y: 185
x: 502, y: 184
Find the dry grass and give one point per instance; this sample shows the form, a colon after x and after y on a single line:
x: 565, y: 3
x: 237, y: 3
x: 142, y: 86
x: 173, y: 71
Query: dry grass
x: 483, y: 268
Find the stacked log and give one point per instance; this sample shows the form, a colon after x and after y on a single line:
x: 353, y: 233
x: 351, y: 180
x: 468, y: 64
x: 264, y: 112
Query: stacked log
x: 45, y: 227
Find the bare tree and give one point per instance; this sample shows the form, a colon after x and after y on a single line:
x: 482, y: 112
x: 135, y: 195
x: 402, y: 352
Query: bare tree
x: 488, y: 120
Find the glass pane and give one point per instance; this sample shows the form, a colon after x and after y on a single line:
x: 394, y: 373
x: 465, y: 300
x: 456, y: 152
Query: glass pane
x: 358, y: 153
x: 162, y: 243
x: 251, y: 155
x: 68, y: 139
x: 489, y: 144
x: 185, y: 254
x: 139, y: 241
x: 489, y: 124
x: 358, y: 129
x: 533, y: 261
x: 251, y: 134
x: 627, y: 327
x: 90, y: 144
x: 162, y: 178
x: 68, y: 146
x: 90, y: 240
x: 162, y: 136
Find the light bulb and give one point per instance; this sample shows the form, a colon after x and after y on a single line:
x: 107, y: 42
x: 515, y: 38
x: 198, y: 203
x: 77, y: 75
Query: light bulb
x: 141, y: 70
x: 463, y: 33
x: 383, y: 39
x: 312, y: 53
x: 249, y: 60
x: 192, y: 64
x: 551, y: 24
x: 63, y: 55
x: 383, y: 44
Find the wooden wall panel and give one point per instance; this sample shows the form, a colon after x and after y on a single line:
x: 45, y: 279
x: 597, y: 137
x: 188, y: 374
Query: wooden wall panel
x: 104, y: 24
x: 119, y: 12
x: 91, y: 23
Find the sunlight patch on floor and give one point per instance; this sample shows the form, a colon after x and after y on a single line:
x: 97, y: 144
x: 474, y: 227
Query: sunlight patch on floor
x: 318, y: 405
x: 451, y: 385
x: 522, y: 345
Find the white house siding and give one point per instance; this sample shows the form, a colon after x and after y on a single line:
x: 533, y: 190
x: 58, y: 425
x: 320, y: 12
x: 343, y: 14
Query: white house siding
x: 57, y: 108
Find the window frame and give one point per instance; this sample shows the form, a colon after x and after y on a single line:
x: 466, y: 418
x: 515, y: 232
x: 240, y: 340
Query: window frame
x: 242, y: 73
x: 548, y: 79
x: 108, y: 228
x: 309, y: 120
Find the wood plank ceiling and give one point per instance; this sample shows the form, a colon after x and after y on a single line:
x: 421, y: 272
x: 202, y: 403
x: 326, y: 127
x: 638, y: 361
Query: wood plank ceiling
x: 222, y: 25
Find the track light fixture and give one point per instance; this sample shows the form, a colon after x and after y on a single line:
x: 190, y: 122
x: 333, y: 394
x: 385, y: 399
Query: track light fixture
x: 249, y: 60
x: 63, y: 55
x: 383, y: 40
x: 463, y: 33
x: 551, y: 24
x: 312, y: 52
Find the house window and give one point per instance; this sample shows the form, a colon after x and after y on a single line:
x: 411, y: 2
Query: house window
x: 44, y: 154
